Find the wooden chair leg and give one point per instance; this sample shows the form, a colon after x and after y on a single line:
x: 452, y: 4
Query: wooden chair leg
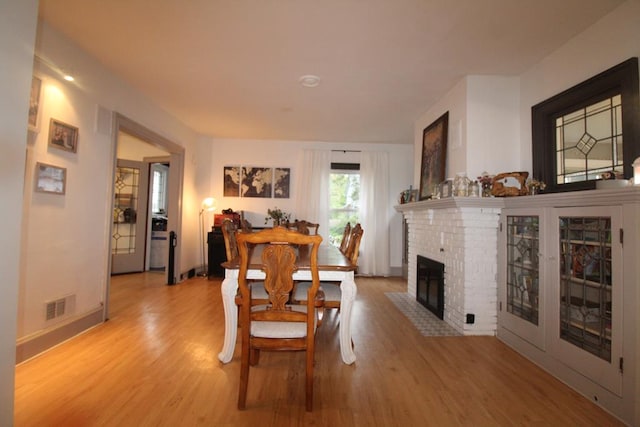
x: 309, y: 380
x: 254, y: 356
x: 244, y: 379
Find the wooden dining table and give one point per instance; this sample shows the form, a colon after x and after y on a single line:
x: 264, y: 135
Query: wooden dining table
x: 333, y: 266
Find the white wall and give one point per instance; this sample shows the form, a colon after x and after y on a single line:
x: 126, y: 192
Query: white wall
x: 263, y: 153
x: 455, y: 102
x: 492, y: 124
x: 66, y: 238
x: 483, y: 126
x: 17, y: 35
x: 610, y: 41
x: 490, y: 116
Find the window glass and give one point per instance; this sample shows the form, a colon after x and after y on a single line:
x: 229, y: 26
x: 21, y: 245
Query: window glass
x: 588, y: 142
x: 344, y: 203
x: 158, y: 194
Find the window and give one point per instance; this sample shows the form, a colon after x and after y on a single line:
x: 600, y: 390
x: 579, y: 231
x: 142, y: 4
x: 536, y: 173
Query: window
x: 344, y: 203
x: 587, y: 130
x: 589, y: 142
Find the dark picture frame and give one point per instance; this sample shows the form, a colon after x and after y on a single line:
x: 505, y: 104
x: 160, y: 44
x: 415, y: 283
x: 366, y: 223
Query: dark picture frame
x: 231, y: 181
x: 63, y: 136
x: 281, y: 183
x: 50, y: 179
x: 434, y: 156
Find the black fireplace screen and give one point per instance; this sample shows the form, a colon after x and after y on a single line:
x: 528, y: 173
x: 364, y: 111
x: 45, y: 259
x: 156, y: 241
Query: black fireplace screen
x: 430, y: 285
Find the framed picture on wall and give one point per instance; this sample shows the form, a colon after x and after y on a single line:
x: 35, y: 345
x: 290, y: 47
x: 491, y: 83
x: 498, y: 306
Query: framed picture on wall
x: 434, y: 152
x: 256, y: 182
x: 50, y: 179
x: 281, y: 181
x: 63, y: 136
x: 34, y: 104
x: 231, y: 181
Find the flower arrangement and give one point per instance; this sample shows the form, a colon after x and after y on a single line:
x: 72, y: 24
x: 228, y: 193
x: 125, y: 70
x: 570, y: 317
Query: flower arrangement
x: 277, y: 215
x: 535, y: 186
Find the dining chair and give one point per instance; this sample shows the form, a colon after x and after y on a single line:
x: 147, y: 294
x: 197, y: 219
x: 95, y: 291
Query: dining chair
x: 230, y: 232
x: 278, y: 325
x: 345, y: 237
x: 332, y: 292
x: 303, y: 226
x: 353, y: 248
x: 246, y: 226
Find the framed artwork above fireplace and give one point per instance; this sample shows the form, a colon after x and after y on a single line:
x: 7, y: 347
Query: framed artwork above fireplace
x: 434, y: 153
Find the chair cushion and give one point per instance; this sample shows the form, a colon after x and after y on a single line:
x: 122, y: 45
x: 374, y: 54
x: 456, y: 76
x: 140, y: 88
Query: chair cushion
x: 266, y: 329
x: 331, y: 291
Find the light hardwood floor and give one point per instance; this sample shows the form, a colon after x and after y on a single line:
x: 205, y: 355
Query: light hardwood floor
x: 154, y: 363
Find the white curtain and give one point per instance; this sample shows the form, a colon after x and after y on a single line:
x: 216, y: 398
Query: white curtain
x: 312, y: 202
x: 374, y: 204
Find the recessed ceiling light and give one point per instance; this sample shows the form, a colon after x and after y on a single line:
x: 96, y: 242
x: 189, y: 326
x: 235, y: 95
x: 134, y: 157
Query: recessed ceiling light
x: 309, y: 80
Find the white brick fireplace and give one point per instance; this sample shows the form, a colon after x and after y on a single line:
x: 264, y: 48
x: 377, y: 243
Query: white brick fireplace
x: 461, y: 233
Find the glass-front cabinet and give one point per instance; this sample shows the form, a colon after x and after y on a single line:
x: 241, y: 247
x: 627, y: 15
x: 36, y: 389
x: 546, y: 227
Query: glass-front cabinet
x: 560, y: 288
x: 588, y: 302
x: 568, y: 283
x: 520, y: 308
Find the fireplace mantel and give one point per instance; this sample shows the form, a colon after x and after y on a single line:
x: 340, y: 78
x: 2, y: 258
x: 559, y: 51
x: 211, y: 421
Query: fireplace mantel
x: 573, y: 198
x: 453, y: 202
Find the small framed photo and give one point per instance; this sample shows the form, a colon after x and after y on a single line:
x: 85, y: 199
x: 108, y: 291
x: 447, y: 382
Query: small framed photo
x: 34, y: 104
x: 63, y: 136
x: 50, y: 179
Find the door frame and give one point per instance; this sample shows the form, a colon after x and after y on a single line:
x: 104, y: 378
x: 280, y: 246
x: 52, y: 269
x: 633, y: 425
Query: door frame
x: 176, y: 178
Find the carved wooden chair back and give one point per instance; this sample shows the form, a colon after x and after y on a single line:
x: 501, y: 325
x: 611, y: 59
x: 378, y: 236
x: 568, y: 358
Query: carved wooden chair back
x: 303, y: 226
x: 353, y: 249
x: 345, y: 237
x: 279, y: 324
x: 246, y: 226
x: 229, y: 232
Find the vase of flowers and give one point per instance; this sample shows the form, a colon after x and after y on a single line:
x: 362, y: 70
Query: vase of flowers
x: 485, y: 180
x: 278, y: 216
x: 534, y: 186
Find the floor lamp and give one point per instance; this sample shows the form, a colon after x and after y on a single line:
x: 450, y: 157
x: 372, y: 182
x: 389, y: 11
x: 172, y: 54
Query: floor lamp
x: 208, y: 205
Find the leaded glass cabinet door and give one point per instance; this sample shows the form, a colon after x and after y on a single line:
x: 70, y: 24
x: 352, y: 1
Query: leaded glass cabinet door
x: 588, y: 304
x: 522, y: 284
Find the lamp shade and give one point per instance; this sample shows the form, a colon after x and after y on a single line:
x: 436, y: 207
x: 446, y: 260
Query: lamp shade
x: 209, y: 204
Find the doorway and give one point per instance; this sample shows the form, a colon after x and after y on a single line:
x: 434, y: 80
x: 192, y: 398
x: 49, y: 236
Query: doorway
x: 135, y: 143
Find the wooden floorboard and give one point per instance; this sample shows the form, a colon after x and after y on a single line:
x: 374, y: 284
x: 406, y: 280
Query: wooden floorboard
x: 154, y: 363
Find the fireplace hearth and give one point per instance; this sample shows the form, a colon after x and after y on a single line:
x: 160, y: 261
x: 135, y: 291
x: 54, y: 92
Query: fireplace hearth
x: 430, y: 285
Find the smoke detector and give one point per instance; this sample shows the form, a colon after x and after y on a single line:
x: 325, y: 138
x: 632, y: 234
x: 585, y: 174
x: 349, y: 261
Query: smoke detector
x: 309, y: 80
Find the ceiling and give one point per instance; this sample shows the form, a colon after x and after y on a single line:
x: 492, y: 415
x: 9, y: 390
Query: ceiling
x: 231, y: 68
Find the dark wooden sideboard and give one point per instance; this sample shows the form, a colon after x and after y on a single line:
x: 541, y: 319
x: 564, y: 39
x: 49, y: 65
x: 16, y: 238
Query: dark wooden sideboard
x: 216, y: 252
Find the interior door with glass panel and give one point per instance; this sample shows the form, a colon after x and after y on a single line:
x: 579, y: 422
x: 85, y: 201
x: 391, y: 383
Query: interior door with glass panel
x: 587, y: 307
x: 522, y: 284
x: 131, y: 189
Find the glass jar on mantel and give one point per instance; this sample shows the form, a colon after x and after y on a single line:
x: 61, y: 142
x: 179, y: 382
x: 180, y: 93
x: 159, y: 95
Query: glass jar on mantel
x: 461, y: 185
